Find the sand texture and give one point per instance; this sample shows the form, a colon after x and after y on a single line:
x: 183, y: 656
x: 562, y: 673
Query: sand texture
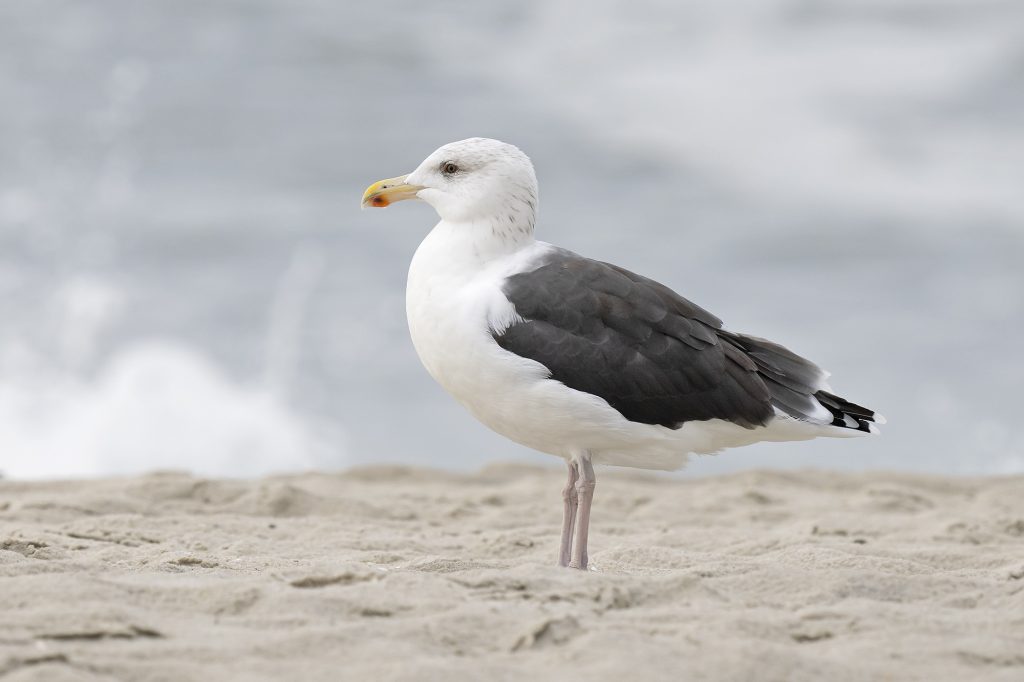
x: 392, y: 573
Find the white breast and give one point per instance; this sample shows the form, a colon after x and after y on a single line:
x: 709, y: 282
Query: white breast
x: 453, y: 301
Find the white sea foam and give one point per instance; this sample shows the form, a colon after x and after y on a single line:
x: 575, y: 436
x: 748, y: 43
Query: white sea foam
x: 156, y: 405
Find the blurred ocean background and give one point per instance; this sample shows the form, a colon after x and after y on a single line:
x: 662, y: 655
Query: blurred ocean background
x: 186, y: 279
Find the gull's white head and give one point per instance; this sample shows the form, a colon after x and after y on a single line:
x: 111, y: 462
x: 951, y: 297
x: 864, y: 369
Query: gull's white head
x: 470, y: 180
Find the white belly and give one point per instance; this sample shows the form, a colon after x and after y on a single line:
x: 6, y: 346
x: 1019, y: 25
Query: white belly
x: 453, y: 302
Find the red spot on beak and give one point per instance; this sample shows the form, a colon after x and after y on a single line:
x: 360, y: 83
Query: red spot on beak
x: 379, y: 201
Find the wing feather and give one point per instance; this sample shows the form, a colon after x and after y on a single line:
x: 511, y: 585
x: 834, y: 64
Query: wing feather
x: 654, y: 356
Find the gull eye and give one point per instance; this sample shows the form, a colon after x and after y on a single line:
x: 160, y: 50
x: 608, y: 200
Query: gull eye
x: 449, y: 168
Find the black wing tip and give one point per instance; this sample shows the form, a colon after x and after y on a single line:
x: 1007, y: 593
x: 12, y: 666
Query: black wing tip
x: 849, y: 415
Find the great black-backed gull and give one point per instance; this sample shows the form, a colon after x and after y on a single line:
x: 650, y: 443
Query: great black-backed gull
x: 582, y: 359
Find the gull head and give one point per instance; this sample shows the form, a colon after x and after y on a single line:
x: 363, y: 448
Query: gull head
x: 470, y: 180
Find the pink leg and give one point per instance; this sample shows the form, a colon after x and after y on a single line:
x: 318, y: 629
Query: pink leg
x: 568, y: 515
x: 585, y: 484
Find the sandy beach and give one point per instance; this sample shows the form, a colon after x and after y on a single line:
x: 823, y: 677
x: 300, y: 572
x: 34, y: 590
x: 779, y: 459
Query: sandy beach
x: 392, y: 573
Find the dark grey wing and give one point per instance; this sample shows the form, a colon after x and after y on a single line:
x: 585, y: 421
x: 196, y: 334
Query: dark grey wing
x: 651, y: 354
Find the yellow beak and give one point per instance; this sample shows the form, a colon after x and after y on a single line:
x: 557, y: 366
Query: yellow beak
x: 386, y: 192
